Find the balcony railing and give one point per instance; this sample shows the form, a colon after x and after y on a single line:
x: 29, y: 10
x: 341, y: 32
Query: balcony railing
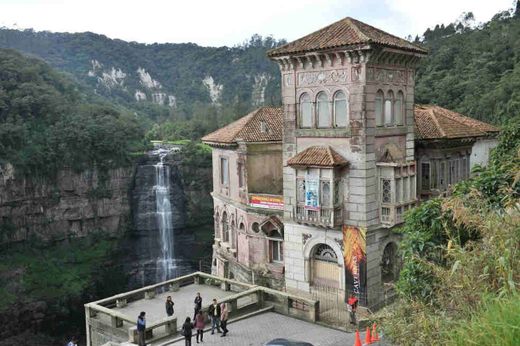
x: 392, y: 214
x: 324, y: 216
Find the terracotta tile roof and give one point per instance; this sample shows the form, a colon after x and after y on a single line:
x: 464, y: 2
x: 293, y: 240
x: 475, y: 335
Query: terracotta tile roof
x: 345, y: 32
x: 318, y: 156
x: 434, y: 122
x: 262, y: 125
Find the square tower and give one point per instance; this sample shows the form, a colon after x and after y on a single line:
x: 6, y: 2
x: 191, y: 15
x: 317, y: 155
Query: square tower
x: 348, y: 155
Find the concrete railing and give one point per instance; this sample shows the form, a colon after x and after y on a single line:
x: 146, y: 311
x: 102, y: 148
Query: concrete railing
x: 249, y: 298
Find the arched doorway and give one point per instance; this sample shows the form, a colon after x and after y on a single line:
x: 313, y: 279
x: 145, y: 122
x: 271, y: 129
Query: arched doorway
x: 325, y: 271
x: 389, y: 265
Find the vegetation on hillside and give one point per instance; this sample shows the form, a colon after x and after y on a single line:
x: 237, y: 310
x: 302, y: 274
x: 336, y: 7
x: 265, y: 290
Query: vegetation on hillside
x: 473, y: 70
x: 461, y: 256
x: 47, y: 122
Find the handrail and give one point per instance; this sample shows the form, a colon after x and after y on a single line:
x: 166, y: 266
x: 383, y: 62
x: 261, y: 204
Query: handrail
x: 109, y: 312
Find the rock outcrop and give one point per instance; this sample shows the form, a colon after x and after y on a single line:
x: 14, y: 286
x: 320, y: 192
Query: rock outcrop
x: 74, y: 205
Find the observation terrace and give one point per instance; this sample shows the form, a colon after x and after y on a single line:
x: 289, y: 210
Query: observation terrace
x: 256, y: 314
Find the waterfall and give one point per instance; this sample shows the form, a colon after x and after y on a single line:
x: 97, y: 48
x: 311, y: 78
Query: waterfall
x: 166, y: 266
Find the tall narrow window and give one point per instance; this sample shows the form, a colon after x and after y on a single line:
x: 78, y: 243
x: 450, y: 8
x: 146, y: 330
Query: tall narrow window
x: 389, y: 116
x: 406, y: 189
x: 425, y: 176
x: 305, y: 111
x: 386, y: 189
x: 224, y: 171
x: 340, y: 110
x: 379, y: 108
x: 398, y: 194
x: 413, y: 194
x: 300, y: 190
x: 434, y: 174
x: 325, y: 193
x: 225, y: 228
x: 442, y: 175
x: 276, y: 251
x: 322, y: 110
x: 399, y: 108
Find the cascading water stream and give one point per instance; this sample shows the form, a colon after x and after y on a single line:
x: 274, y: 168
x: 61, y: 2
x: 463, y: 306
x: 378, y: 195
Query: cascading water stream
x: 165, y: 263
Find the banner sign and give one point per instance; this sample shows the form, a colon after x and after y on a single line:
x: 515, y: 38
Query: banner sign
x: 355, y: 257
x: 266, y: 201
x: 312, y: 184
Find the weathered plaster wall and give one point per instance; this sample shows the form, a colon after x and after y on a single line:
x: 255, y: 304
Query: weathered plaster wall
x: 481, y: 150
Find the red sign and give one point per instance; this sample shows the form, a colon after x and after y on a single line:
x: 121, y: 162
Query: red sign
x: 266, y: 201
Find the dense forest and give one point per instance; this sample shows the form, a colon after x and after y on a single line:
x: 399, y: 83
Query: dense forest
x: 47, y: 122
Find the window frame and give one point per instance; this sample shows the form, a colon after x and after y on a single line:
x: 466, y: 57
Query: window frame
x: 400, y: 98
x: 224, y: 178
x: 336, y: 99
x: 390, y: 98
x: 380, y: 97
x: 325, y: 101
x: 300, y: 111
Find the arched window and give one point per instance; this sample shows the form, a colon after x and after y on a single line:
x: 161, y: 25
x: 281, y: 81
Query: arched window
x: 225, y: 228
x: 323, y: 252
x: 399, y: 108
x: 322, y: 110
x: 379, y: 108
x: 340, y: 110
x: 325, y: 193
x: 389, y: 116
x: 305, y: 111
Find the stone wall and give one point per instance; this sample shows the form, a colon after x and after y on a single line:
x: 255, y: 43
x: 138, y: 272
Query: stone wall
x: 74, y: 205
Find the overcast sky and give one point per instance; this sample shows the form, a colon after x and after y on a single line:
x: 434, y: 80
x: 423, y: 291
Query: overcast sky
x: 228, y: 22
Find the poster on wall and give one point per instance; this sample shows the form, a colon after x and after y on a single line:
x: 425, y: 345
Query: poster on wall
x: 312, y: 183
x: 355, y: 257
x: 266, y: 201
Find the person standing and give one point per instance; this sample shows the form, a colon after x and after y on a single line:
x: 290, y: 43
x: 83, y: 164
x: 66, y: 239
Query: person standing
x: 214, y: 314
x: 352, y: 308
x: 199, y: 325
x: 141, y: 328
x: 73, y: 341
x: 198, y: 304
x: 224, y: 318
x: 169, y: 306
x: 187, y: 328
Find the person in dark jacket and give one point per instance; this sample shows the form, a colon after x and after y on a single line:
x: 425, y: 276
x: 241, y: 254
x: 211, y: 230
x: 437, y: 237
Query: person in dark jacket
x: 141, y: 328
x: 198, y: 305
x: 214, y: 313
x: 169, y: 306
x: 187, y: 328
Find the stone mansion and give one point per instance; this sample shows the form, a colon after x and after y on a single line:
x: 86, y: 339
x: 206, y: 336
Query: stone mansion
x: 306, y: 196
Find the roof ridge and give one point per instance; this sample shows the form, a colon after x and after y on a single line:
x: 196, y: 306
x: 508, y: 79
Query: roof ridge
x: 439, y: 127
x: 329, y: 152
x: 458, y: 120
x: 356, y: 28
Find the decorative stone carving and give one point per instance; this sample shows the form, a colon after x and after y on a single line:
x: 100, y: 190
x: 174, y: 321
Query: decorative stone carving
x: 340, y: 243
x: 411, y: 76
x: 380, y: 75
x: 370, y: 74
x: 305, y: 237
x: 322, y: 77
x: 356, y: 72
x: 288, y: 79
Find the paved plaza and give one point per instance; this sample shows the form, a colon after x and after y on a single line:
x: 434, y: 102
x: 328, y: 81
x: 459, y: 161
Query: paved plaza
x: 259, y: 329
x: 183, y: 299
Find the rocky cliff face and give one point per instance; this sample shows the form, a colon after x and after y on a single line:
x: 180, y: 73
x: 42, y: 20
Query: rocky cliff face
x: 73, y: 205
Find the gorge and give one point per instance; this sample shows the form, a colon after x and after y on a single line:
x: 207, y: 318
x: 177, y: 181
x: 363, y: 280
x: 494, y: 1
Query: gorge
x: 127, y: 227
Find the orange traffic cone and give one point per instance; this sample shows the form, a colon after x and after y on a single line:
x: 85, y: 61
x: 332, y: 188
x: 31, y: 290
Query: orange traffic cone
x: 357, y: 342
x: 367, y: 337
x: 374, y: 335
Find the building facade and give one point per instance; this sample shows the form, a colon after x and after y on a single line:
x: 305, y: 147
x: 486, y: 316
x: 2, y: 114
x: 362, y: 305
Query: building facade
x: 347, y: 162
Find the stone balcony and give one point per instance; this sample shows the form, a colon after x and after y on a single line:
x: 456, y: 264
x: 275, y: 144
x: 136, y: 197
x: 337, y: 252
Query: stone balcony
x: 328, y: 217
x: 393, y: 214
